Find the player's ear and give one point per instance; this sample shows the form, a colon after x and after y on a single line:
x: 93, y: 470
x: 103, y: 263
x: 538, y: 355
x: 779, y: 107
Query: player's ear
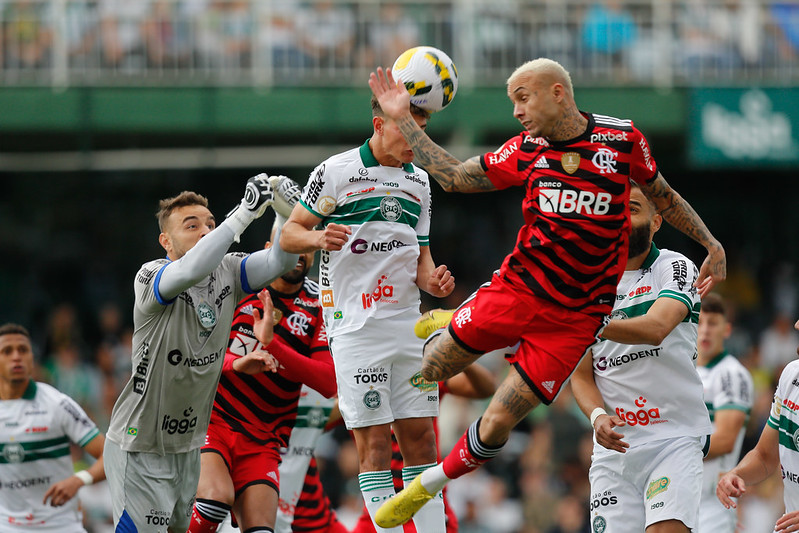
x: 165, y: 242
x: 378, y: 123
x: 657, y: 221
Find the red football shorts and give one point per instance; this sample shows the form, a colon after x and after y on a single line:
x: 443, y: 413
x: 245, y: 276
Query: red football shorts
x: 551, y: 338
x: 249, y: 463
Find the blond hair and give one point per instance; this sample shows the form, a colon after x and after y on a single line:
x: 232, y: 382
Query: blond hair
x: 545, y: 66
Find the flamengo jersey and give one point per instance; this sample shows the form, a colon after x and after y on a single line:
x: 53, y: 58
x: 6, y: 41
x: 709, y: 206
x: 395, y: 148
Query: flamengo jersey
x: 655, y: 389
x: 388, y: 209
x: 35, y: 435
x: 573, y: 246
x: 784, y: 418
x: 178, y: 349
x: 264, y: 406
x: 313, y: 411
x: 727, y: 385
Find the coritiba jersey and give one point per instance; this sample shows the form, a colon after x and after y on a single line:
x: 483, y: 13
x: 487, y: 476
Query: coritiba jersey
x: 388, y: 209
x: 784, y: 418
x: 728, y: 385
x: 655, y: 389
x: 178, y: 350
x: 35, y: 435
x: 572, y: 247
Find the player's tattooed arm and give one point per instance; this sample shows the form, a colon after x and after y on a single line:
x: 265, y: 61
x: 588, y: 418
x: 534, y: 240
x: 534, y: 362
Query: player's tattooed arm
x: 448, y: 171
x: 682, y: 216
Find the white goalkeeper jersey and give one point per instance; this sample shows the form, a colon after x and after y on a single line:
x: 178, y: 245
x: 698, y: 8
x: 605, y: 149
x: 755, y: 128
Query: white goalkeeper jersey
x: 727, y: 385
x: 784, y: 418
x: 35, y: 435
x: 655, y: 389
x: 388, y: 209
x: 313, y: 412
x: 178, y: 350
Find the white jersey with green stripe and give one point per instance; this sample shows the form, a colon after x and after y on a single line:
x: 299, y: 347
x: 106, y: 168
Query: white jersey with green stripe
x: 35, y: 435
x: 784, y: 417
x: 388, y: 210
x: 727, y: 385
x: 655, y: 389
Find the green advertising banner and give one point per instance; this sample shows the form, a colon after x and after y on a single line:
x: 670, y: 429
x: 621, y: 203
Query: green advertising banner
x: 744, y: 127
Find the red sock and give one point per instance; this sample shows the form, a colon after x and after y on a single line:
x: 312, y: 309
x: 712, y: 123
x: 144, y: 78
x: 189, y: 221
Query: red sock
x: 207, y: 515
x: 469, y: 453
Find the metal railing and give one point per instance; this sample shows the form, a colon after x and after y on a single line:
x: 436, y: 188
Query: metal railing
x: 337, y: 43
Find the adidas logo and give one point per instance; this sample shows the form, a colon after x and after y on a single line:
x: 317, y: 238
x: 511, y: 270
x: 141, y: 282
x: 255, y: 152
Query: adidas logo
x: 548, y: 385
x: 542, y: 162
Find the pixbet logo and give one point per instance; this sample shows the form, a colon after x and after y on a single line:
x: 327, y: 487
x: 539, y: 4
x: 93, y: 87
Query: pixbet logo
x: 608, y: 137
x: 569, y: 201
x: 642, y: 416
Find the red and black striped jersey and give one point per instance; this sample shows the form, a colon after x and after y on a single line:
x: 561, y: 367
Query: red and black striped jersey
x: 264, y: 406
x: 572, y: 248
x: 313, y: 511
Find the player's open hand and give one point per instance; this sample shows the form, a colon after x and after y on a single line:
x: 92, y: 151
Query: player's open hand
x: 730, y: 486
x: 605, y: 434
x: 255, y: 363
x: 334, y: 237
x: 264, y: 325
x: 61, y: 492
x: 787, y: 522
x: 441, y: 282
x: 713, y: 271
x: 394, y: 99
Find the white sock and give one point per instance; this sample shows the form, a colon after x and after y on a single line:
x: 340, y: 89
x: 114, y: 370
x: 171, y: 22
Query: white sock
x: 434, y: 479
x: 430, y: 518
x: 376, y: 488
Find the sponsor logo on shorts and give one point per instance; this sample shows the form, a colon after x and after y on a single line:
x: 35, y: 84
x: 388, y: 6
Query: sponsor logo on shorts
x: 371, y: 399
x: 390, y: 208
x: 462, y: 317
x: 602, y: 499
x: 599, y: 524
x: 371, y: 375
x: 422, y: 384
x: 656, y: 487
x: 157, y: 518
x: 206, y: 315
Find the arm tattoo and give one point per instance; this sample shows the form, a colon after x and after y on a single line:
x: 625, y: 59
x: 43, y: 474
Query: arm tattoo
x: 448, y: 171
x: 677, y: 212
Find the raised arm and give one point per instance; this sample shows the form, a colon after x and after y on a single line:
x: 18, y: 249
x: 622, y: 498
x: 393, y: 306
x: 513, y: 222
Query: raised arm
x: 299, y: 236
x: 452, y: 174
x: 679, y: 213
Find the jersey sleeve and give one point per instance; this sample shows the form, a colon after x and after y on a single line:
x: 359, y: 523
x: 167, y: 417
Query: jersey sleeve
x: 735, y: 391
x: 677, y: 276
x: 319, y: 195
x: 233, y: 265
x: 75, y: 423
x: 145, y: 287
x: 502, y: 165
x: 643, y: 168
x: 784, y: 385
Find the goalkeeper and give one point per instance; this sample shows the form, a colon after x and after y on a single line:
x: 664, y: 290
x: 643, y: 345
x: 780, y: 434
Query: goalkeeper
x: 183, y: 310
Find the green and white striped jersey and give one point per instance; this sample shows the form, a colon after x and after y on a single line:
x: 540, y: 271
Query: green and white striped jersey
x: 728, y: 385
x: 388, y: 210
x: 655, y: 389
x: 784, y: 418
x: 35, y: 434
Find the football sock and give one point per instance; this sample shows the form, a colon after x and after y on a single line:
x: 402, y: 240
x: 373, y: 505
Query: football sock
x: 430, y: 518
x: 207, y: 515
x: 469, y: 454
x: 260, y: 529
x: 376, y: 488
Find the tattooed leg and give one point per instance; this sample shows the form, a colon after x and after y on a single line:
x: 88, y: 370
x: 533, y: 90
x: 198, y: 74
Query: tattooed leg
x: 511, y: 403
x: 443, y: 358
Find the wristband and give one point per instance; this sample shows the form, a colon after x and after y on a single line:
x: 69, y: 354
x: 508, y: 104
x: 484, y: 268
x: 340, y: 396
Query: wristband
x: 84, y: 476
x: 596, y: 413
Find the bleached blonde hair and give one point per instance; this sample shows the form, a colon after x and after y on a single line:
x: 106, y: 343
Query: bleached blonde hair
x: 547, y: 66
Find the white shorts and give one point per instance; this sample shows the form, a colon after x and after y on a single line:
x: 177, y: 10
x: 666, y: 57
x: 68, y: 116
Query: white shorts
x: 378, y: 369
x: 653, y: 482
x: 149, y: 491
x: 713, y: 516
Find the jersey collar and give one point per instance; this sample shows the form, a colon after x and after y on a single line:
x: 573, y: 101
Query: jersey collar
x: 651, y: 256
x: 716, y: 360
x: 368, y: 158
x: 30, y: 391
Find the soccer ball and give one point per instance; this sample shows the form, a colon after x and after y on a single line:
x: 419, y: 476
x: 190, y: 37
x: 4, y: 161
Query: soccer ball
x: 429, y: 75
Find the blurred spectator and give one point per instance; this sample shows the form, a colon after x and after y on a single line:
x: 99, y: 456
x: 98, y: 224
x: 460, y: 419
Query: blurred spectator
x: 608, y: 32
x: 778, y: 344
x: 278, y: 36
x: 783, y: 24
x: 63, y: 329
x: 160, y: 34
x: 66, y: 371
x: 121, y: 25
x: 571, y: 516
x: 28, y: 34
x: 388, y: 37
x: 497, y: 34
x: 226, y: 34
x: 80, y: 29
x: 326, y: 33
